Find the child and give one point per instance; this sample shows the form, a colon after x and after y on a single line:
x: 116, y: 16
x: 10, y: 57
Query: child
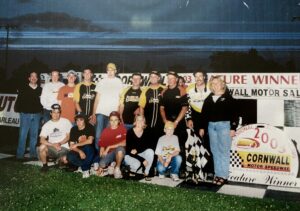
x: 167, y: 150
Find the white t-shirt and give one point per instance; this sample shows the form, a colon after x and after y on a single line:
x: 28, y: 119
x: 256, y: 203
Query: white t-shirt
x: 167, y: 145
x: 56, y: 131
x: 49, y: 94
x: 110, y: 90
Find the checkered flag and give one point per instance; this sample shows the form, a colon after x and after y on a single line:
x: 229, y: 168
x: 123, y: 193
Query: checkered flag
x: 235, y: 159
x: 197, y: 157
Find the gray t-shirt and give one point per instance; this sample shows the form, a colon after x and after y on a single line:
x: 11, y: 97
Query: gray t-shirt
x: 167, y: 145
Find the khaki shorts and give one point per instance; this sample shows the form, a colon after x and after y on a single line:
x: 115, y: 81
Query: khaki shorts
x: 53, y: 153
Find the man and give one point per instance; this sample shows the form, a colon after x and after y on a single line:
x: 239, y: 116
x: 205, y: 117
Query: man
x: 149, y: 106
x: 84, y: 94
x: 173, y: 107
x: 29, y: 106
x: 107, y: 99
x: 197, y: 93
x: 54, y: 137
x: 82, y: 150
x: 130, y: 96
x: 65, y: 97
x: 49, y: 94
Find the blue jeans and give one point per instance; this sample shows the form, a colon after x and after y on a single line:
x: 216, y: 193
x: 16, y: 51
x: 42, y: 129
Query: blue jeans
x: 174, y: 166
x: 85, y: 164
x: 220, y: 144
x: 134, y: 163
x: 102, y: 122
x: 46, y: 116
x: 128, y: 126
x: 28, y: 123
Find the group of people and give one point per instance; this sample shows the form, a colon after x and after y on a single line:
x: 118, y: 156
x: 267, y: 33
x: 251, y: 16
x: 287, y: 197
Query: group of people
x: 100, y: 127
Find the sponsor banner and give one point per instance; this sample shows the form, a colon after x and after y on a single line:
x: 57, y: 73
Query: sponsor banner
x: 241, y: 85
x: 8, y: 116
x: 263, y: 154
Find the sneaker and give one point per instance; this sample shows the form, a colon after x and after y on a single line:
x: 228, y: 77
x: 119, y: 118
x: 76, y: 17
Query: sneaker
x: 96, y: 166
x: 161, y: 176
x: 111, y: 168
x: 85, y: 174
x: 117, y: 173
x: 79, y: 170
x: 175, y: 177
x: 44, y: 168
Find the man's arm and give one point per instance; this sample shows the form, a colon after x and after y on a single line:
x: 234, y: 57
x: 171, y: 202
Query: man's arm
x: 163, y: 113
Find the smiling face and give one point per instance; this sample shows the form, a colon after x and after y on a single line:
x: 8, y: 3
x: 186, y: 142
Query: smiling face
x: 154, y: 79
x: 33, y: 78
x: 114, y: 122
x: 140, y: 121
x: 55, y: 115
x: 172, y: 80
x: 136, y: 80
x: 87, y: 75
x: 199, y: 78
x: 54, y: 76
x: 217, y: 85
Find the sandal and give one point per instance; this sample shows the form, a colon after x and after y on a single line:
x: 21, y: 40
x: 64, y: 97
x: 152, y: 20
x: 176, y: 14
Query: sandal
x: 147, y: 178
x: 221, y: 181
x: 216, y: 180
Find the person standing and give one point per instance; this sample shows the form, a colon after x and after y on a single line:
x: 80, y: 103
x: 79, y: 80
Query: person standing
x: 220, y: 116
x: 29, y: 106
x: 107, y: 99
x: 49, y: 94
x: 65, y: 97
x: 84, y: 95
x: 129, y: 101
x: 149, y: 107
x: 197, y: 92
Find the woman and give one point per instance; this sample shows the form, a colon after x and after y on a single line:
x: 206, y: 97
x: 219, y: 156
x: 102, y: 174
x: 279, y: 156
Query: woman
x: 112, y: 144
x: 139, y: 155
x: 220, y: 117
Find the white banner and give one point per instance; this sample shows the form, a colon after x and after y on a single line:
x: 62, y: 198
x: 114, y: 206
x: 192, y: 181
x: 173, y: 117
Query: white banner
x: 284, y: 86
x: 8, y: 116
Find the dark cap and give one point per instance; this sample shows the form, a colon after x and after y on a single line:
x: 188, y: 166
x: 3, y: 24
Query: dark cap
x: 172, y: 73
x: 56, y: 107
x: 138, y: 74
x: 80, y: 116
x: 155, y: 73
x: 115, y: 113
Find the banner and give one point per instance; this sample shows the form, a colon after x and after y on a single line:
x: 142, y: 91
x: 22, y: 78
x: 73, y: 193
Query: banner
x: 8, y: 116
x: 285, y: 86
x: 263, y: 154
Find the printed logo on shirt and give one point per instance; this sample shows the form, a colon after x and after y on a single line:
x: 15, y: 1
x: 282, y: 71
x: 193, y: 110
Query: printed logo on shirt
x: 119, y: 136
x: 88, y: 96
x: 70, y: 95
x: 154, y: 100
x: 178, y: 96
x: 132, y: 99
x: 56, y: 133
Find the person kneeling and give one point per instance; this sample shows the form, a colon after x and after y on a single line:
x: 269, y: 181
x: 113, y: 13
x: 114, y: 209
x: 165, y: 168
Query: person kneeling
x: 167, y: 150
x: 112, y: 144
x: 82, y: 146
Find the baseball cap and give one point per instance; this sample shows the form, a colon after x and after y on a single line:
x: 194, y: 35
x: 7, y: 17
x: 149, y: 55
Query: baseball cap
x: 172, y: 73
x: 112, y: 66
x: 155, y: 73
x: 71, y: 72
x: 56, y: 107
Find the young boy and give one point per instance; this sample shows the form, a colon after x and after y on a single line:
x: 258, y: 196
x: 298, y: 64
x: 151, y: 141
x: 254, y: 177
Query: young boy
x: 167, y: 150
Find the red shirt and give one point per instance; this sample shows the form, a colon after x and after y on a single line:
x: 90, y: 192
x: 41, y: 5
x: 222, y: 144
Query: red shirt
x: 112, y: 136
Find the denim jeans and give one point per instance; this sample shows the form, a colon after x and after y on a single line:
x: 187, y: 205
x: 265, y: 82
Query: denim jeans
x: 102, y: 122
x: 46, y: 116
x: 174, y: 166
x: 110, y: 157
x: 134, y: 163
x: 28, y: 123
x: 220, y: 144
x: 85, y: 164
x: 128, y: 126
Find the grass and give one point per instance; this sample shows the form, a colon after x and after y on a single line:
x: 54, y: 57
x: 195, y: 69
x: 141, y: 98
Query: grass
x: 24, y: 187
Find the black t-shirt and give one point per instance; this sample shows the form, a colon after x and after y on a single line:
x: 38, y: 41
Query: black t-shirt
x: 131, y: 103
x: 87, y: 98
x: 173, y: 100
x: 76, y: 133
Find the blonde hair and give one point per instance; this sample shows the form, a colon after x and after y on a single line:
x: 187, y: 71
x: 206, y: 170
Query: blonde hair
x: 138, y: 116
x: 219, y: 79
